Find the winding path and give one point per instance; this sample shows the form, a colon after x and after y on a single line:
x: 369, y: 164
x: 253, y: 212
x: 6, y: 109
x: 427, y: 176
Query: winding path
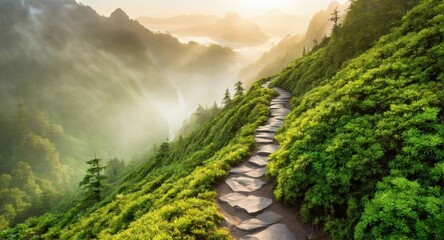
x: 246, y: 199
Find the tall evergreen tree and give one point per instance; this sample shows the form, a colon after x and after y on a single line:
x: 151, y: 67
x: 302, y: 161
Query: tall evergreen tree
x: 335, y: 17
x: 227, y: 98
x: 239, y: 89
x: 92, y: 182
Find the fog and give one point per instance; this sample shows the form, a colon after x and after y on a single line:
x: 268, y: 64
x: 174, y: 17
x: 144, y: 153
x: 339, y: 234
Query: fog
x: 112, y: 86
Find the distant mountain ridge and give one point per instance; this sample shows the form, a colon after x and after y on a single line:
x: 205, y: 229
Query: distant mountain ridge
x: 232, y: 28
x: 277, y: 23
x: 292, y: 47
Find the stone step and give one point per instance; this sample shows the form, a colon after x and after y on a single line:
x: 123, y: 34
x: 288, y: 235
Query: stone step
x: 263, y: 140
x: 267, y: 149
x: 253, y: 204
x: 269, y: 217
x: 265, y: 135
x: 277, y: 106
x: 256, y: 173
x: 244, y: 184
x: 275, y: 122
x: 242, y: 169
x: 267, y: 128
x: 232, y: 198
x: 258, y: 160
x: 281, y: 117
x: 276, y: 231
x: 252, y: 224
x: 280, y: 111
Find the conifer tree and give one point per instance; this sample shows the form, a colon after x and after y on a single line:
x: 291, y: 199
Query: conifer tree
x: 335, y: 17
x: 227, y: 98
x: 239, y: 89
x: 92, y: 182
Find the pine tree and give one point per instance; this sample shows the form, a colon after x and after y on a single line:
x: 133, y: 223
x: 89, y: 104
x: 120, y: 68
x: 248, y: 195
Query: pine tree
x: 335, y: 17
x: 227, y: 98
x: 239, y: 89
x: 92, y: 182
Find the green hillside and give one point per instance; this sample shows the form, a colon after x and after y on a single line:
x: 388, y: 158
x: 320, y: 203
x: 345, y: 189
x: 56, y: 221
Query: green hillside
x: 363, y: 146
x: 361, y: 150
x: 171, y: 195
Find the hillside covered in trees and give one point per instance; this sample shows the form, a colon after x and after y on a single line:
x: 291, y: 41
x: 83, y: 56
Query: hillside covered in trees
x: 74, y: 84
x: 361, y: 151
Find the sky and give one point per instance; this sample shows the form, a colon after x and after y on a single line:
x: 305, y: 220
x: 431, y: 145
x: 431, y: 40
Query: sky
x: 167, y: 8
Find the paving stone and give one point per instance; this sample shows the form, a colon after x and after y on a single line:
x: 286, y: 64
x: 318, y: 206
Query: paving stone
x: 280, y: 111
x: 277, y: 114
x: 269, y: 217
x: 252, y: 224
x: 232, y: 198
x: 265, y: 135
x: 242, y: 169
x: 281, y: 117
x: 253, y: 204
x: 244, y: 184
x: 264, y: 140
x: 256, y: 173
x: 276, y: 231
x: 278, y: 101
x: 258, y: 160
x: 267, y: 149
x: 275, y: 122
x: 277, y: 106
x: 267, y: 128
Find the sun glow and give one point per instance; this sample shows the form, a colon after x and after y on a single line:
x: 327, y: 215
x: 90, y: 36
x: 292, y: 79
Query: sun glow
x: 261, y: 6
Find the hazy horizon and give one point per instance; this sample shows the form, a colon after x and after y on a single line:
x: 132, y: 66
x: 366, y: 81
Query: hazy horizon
x: 169, y: 8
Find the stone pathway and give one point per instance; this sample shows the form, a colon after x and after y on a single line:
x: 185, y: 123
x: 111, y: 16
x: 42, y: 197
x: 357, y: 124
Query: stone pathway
x: 245, y: 199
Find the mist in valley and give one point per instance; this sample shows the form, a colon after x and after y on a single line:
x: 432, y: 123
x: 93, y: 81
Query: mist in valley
x: 77, y: 85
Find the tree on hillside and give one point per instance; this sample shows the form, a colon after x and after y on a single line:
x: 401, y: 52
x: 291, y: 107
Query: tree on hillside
x: 335, y: 17
x: 92, y: 182
x: 227, y: 98
x: 239, y: 89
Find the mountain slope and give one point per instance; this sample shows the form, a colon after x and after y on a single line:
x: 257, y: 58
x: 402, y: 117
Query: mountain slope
x: 361, y: 151
x: 170, y: 195
x: 74, y: 84
x: 276, y: 23
x: 292, y: 46
x: 362, y: 148
x: 177, y: 22
x: 233, y: 28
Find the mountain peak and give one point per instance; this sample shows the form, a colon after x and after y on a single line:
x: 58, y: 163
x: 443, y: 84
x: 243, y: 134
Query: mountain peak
x: 119, y: 14
x: 233, y: 16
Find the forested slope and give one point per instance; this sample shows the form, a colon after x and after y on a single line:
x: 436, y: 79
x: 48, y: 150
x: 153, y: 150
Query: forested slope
x: 362, y: 149
x: 170, y: 196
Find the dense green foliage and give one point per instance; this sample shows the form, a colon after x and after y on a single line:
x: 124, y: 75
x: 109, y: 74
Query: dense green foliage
x: 92, y: 184
x: 37, y: 162
x: 362, y: 149
x: 171, y: 195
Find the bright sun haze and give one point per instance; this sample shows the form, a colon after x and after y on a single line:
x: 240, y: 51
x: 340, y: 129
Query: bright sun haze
x: 166, y: 8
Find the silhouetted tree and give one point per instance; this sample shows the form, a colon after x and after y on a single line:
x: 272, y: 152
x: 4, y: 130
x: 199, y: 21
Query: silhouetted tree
x: 315, y: 42
x: 92, y: 182
x: 239, y: 89
x: 335, y: 17
x: 227, y: 98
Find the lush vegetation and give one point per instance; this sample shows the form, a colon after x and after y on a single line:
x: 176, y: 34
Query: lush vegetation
x: 362, y: 150
x: 171, y: 195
